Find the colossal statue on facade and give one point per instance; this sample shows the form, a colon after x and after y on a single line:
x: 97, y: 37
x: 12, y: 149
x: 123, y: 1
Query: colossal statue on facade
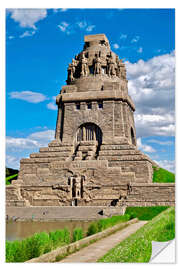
x: 111, y: 66
x: 84, y: 66
x: 97, y: 65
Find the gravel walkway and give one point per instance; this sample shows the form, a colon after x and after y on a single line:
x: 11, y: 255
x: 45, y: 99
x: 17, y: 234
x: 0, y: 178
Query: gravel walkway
x: 96, y: 250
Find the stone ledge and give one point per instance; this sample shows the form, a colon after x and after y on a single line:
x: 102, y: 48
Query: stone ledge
x: 51, y: 256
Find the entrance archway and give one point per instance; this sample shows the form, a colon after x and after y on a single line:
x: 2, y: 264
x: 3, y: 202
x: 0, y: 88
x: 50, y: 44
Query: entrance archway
x: 89, y: 132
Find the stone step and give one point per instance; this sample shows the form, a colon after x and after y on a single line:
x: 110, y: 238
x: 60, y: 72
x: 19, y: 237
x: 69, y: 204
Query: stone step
x: 49, y: 155
x: 119, y: 152
x: 117, y: 147
x: 122, y: 158
x: 87, y: 148
x: 56, y: 149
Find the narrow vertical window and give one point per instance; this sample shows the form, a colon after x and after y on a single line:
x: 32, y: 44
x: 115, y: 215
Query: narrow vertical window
x: 100, y: 105
x: 77, y: 106
x: 89, y: 105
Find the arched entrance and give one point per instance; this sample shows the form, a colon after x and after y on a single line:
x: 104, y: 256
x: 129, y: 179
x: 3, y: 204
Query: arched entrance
x: 89, y: 132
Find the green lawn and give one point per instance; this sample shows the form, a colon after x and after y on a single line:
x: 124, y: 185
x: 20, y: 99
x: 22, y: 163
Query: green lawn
x: 145, y: 213
x: 138, y: 247
x: 161, y: 175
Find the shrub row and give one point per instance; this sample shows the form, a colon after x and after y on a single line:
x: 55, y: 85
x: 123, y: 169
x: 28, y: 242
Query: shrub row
x: 41, y: 243
x: 103, y: 224
x: 36, y: 245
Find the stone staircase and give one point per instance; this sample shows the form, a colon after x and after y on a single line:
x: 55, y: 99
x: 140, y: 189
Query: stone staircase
x: 86, y: 150
x: 55, y: 151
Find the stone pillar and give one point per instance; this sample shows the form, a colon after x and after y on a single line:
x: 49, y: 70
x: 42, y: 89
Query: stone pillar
x: 84, y: 134
x: 58, y: 123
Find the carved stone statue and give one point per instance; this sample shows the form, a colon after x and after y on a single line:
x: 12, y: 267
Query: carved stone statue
x: 111, y: 66
x: 97, y: 65
x: 121, y: 71
x: 71, y: 70
x: 84, y: 66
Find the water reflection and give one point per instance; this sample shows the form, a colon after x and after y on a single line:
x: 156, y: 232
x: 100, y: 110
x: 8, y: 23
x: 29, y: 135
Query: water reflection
x: 23, y: 229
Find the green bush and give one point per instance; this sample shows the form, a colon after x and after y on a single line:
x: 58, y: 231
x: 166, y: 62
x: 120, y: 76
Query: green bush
x: 77, y: 234
x: 145, y: 213
x: 105, y: 223
x: 66, y: 236
x: 92, y: 229
x: 161, y: 175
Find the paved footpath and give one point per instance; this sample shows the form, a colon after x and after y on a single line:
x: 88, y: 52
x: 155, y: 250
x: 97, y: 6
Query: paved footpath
x: 96, y: 250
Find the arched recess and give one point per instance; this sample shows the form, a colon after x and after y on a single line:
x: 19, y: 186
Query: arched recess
x: 133, y: 140
x: 89, y: 132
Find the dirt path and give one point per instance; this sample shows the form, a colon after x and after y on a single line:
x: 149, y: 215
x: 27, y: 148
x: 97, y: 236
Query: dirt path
x: 96, y: 250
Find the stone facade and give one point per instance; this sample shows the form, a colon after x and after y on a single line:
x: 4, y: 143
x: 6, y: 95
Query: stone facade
x: 94, y: 160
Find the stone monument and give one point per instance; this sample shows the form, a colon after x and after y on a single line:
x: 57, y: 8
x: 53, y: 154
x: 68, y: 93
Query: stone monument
x: 94, y: 160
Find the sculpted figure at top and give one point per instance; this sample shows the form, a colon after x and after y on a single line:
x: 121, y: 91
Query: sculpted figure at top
x: 84, y: 66
x: 97, y: 59
x: 71, y: 70
x: 97, y: 65
x: 111, y: 66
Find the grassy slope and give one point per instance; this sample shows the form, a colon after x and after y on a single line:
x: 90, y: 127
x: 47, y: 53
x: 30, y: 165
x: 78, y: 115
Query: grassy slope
x: 145, y: 213
x: 163, y: 176
x: 138, y: 247
x: 11, y: 174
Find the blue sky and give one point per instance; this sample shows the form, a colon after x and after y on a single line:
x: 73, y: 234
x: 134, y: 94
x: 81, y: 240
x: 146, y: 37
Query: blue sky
x: 40, y: 44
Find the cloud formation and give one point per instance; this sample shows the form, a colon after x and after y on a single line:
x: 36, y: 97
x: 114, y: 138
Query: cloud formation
x: 28, y: 17
x: 68, y: 28
x: 52, y: 105
x: 17, y: 148
x: 34, y: 140
x: 29, y: 96
x: 151, y: 85
x: 145, y: 147
x: 167, y: 164
x: 27, y: 34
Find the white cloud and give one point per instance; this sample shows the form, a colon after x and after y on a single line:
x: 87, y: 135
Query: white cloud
x: 28, y: 17
x: 82, y: 24
x: 123, y: 36
x: 11, y: 37
x: 29, y: 96
x: 27, y: 34
x: 12, y: 162
x: 17, y: 148
x: 73, y: 28
x: 34, y: 140
x: 85, y: 25
x: 160, y: 142
x: 167, y: 164
x: 140, y: 50
x: 116, y: 46
x: 151, y: 85
x: 52, y: 106
x: 90, y: 28
x: 64, y: 26
x: 145, y: 147
x: 135, y: 39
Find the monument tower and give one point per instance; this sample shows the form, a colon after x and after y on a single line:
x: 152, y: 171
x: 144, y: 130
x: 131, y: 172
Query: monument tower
x: 94, y: 158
